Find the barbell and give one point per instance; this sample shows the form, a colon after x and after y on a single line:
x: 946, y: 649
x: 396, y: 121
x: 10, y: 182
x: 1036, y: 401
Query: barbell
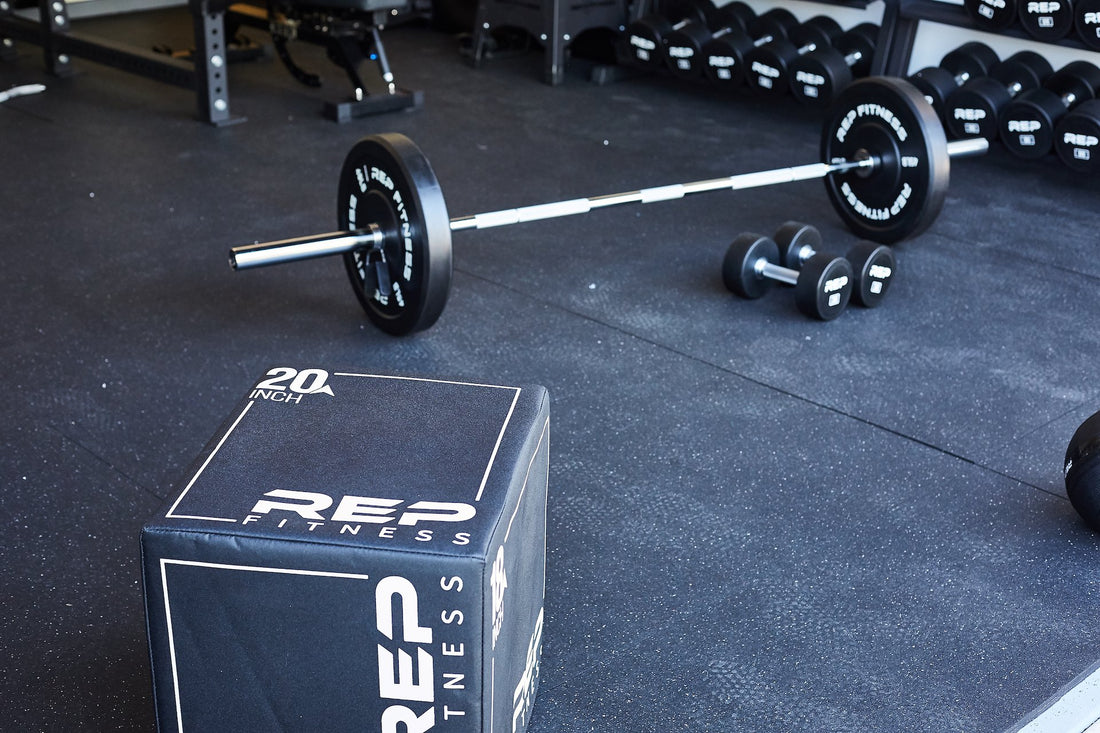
x: 886, y: 170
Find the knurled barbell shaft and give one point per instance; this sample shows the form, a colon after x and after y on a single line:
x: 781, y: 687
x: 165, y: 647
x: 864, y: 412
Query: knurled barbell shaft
x: 557, y: 209
x: 322, y: 245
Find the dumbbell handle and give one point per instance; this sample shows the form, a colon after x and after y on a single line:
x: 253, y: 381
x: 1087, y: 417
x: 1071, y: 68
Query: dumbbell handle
x: 322, y: 245
x: 1069, y: 99
x: 775, y: 272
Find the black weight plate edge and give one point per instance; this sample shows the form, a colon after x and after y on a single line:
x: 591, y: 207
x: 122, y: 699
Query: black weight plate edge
x: 430, y: 231
x: 925, y: 136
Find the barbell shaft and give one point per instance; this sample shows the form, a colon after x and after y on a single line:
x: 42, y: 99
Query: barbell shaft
x: 557, y: 209
x: 505, y: 217
x: 323, y: 245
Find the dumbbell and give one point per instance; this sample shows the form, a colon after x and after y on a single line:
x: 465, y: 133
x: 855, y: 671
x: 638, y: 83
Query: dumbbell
x: 992, y: 15
x: 969, y: 60
x: 724, y: 53
x: 973, y: 109
x: 767, y: 65
x: 684, y: 46
x: 1046, y: 20
x: 642, y: 42
x: 820, y: 74
x: 1077, y: 137
x: 1081, y: 471
x: 1028, y: 122
x: 873, y: 265
x: 822, y: 287
x: 1086, y: 19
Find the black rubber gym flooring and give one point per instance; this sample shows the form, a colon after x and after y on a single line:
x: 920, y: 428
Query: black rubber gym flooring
x: 756, y: 522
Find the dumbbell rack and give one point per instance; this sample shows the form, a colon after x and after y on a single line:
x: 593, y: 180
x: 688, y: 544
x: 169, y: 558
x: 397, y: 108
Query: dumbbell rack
x: 606, y: 74
x: 909, y: 13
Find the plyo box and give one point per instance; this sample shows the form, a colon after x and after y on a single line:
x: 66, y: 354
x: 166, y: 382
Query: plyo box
x: 354, y: 552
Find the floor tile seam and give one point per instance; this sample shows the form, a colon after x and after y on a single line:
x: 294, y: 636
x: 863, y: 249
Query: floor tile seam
x: 105, y: 462
x: 760, y: 383
x: 960, y: 244
x: 1039, y: 428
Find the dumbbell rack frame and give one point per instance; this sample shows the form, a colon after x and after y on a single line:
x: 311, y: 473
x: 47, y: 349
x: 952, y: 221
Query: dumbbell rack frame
x: 555, y: 23
x: 909, y: 13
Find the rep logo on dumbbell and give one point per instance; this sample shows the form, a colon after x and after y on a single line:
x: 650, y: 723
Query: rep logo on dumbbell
x: 974, y: 108
x: 724, y: 54
x: 970, y: 60
x: 873, y: 265
x: 817, y: 76
x: 684, y: 45
x: 1028, y: 124
x: 822, y: 288
x: 768, y: 65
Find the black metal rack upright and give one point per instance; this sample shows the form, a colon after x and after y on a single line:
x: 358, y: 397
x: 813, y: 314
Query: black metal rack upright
x: 555, y: 23
x: 205, y: 72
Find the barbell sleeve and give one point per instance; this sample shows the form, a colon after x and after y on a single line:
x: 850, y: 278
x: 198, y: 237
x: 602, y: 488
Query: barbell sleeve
x: 304, y: 248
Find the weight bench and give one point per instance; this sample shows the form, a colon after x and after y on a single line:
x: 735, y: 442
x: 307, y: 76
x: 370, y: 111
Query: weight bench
x: 348, y: 30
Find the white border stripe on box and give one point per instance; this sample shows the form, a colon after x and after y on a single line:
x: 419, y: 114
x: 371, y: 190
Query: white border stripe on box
x: 522, y: 491
x: 221, y: 566
x: 203, y: 468
x: 493, y: 455
x: 503, y: 428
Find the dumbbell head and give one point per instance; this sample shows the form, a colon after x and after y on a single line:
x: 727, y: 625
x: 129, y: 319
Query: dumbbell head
x: 816, y: 77
x: 992, y: 15
x: 972, y: 110
x: 824, y: 287
x: 1081, y: 471
x: 724, y: 55
x: 1086, y: 19
x: 1077, y: 137
x: 797, y: 243
x: 969, y: 60
x: 1046, y: 20
x: 768, y: 64
x: 683, y: 46
x: 873, y: 265
x: 642, y: 42
x: 1027, y: 124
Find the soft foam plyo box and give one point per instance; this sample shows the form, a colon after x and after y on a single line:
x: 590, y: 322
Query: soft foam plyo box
x: 354, y: 552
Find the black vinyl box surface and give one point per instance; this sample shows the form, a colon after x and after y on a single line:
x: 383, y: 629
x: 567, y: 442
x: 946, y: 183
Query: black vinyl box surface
x: 354, y: 552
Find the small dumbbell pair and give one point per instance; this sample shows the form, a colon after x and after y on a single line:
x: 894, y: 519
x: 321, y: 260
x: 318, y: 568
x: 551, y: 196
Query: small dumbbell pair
x: 823, y: 284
